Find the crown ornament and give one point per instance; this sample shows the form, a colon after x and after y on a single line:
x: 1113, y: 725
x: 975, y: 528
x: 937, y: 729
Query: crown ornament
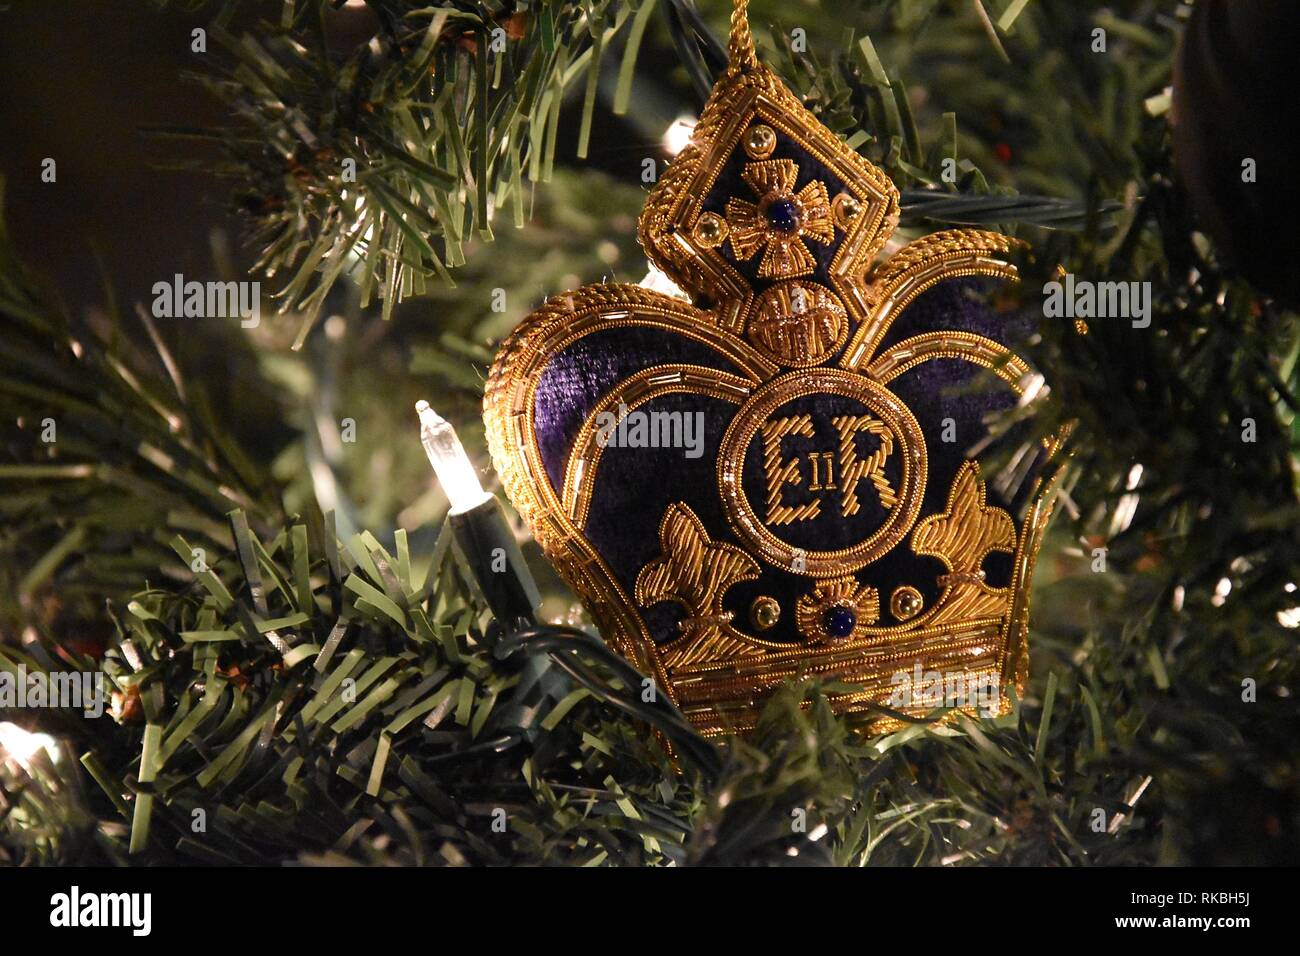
x: 825, y: 519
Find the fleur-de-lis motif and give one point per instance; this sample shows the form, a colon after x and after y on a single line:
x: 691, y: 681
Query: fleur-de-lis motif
x: 963, y: 535
x: 696, y: 572
x: 693, y: 570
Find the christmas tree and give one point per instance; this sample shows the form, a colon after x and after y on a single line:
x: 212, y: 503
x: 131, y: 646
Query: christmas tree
x: 214, y: 496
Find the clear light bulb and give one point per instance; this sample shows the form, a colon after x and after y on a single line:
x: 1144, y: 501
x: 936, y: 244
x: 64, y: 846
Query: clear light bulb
x: 22, y: 745
x: 455, y: 472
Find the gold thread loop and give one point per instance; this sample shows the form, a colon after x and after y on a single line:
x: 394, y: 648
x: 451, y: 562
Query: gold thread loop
x: 740, y: 44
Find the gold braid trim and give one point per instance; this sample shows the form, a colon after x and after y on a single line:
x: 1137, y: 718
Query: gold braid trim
x: 927, y: 249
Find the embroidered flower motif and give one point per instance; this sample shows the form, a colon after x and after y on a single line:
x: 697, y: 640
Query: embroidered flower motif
x: 781, y: 219
x: 837, y: 610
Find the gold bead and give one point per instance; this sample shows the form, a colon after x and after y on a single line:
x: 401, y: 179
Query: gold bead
x: 764, y: 612
x: 845, y: 209
x: 760, y: 141
x: 710, y: 230
x: 906, y: 602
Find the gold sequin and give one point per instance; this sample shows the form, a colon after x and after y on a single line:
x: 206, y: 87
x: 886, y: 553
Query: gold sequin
x: 765, y: 612
x: 710, y: 230
x: 844, y: 208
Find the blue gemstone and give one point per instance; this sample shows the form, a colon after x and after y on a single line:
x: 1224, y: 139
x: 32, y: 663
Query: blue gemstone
x: 783, y: 214
x: 839, y: 621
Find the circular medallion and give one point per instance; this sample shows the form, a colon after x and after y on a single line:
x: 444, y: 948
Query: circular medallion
x: 822, y: 471
x: 798, y: 323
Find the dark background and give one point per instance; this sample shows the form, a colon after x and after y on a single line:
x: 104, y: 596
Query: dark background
x: 85, y: 83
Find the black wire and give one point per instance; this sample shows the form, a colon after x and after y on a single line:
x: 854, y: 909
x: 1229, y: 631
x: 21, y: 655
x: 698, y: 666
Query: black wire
x: 686, y: 742
x: 555, y: 639
x: 1046, y: 211
x: 562, y: 644
x: 494, y: 745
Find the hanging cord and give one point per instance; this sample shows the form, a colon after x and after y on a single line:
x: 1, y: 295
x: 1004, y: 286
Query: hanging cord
x: 740, y: 44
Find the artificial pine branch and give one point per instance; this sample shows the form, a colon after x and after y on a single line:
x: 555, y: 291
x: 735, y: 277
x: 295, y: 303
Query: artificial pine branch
x: 114, y: 450
x: 382, y: 162
x: 342, y: 709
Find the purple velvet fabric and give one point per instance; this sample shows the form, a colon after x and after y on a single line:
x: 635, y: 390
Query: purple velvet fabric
x: 579, y: 376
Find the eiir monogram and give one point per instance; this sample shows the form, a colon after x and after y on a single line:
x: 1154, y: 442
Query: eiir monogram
x: 780, y: 472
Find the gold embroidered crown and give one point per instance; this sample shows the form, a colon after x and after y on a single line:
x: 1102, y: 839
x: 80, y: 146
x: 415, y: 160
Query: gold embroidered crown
x: 769, y: 480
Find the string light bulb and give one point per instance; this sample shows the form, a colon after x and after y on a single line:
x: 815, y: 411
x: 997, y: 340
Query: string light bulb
x: 22, y: 745
x: 447, y: 455
x: 479, y: 527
